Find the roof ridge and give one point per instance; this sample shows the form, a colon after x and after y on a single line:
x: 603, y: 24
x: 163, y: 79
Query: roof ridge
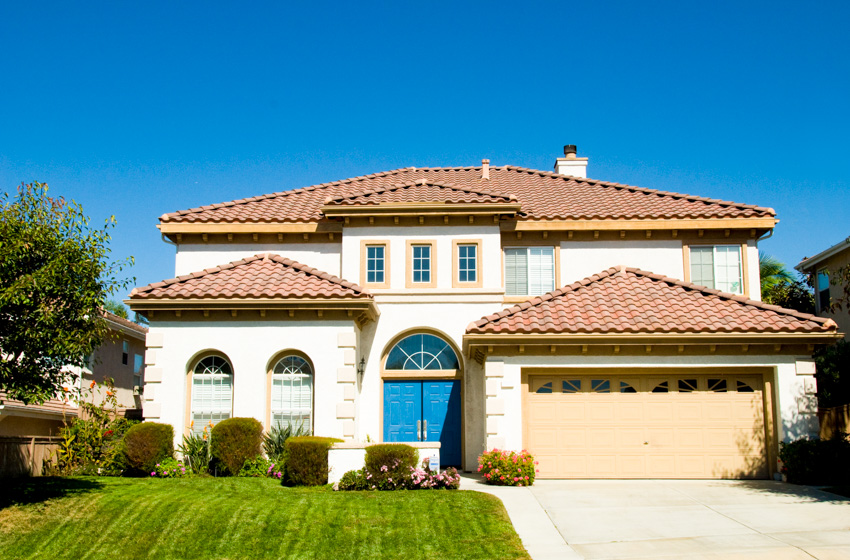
x: 646, y: 190
x: 247, y: 260
x: 419, y: 182
x: 621, y: 270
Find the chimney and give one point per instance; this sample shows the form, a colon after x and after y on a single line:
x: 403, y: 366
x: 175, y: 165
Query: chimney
x: 570, y: 164
x: 485, y: 169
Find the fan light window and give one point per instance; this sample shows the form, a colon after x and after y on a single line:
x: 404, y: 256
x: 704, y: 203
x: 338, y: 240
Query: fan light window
x: 422, y: 352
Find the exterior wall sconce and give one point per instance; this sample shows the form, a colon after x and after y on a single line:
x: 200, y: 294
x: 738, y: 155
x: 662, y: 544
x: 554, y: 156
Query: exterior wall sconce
x: 361, y: 369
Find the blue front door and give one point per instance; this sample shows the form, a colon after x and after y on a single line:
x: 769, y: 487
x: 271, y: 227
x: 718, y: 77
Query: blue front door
x: 424, y: 411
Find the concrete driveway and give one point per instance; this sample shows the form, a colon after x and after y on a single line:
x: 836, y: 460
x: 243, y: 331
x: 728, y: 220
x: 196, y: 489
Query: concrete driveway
x: 678, y: 519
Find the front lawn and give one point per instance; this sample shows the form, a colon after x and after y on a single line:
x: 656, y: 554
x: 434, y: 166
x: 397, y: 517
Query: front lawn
x: 238, y: 518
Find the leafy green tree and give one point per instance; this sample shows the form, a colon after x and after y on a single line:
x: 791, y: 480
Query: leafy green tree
x: 833, y: 374
x: 55, y: 277
x: 116, y: 308
x: 780, y: 287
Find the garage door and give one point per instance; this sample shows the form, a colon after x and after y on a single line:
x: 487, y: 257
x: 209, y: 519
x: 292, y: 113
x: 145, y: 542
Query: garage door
x: 662, y: 426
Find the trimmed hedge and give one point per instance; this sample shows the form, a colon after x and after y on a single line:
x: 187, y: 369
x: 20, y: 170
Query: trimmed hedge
x: 235, y: 441
x: 147, y: 444
x: 390, y: 463
x: 307, y: 460
x: 816, y: 461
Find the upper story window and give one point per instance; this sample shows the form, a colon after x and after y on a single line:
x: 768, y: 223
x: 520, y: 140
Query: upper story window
x: 823, y: 289
x: 718, y: 267
x: 421, y: 261
x: 125, y: 352
x: 529, y: 271
x: 466, y: 256
x: 375, y: 263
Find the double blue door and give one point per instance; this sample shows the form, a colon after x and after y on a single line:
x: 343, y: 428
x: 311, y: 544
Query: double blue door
x: 424, y: 411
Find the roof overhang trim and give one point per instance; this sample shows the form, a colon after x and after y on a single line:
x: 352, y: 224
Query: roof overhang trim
x: 417, y: 209
x: 247, y: 304
x: 641, y: 224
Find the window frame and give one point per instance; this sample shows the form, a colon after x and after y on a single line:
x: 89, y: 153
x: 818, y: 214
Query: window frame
x: 364, y: 262
x: 125, y: 352
x: 270, y: 383
x: 432, y: 283
x: 456, y: 245
x: 556, y: 272
x: 819, y: 292
x: 424, y: 373
x: 190, y: 377
x: 742, y: 248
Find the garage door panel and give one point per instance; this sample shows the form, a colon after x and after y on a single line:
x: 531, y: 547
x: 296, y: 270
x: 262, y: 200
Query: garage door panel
x: 699, y: 432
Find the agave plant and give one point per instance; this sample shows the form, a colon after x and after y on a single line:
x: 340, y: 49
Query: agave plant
x: 274, y: 441
x: 195, y: 450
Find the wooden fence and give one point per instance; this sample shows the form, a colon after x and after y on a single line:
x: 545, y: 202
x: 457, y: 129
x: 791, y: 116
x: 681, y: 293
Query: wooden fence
x: 834, y: 420
x: 24, y: 456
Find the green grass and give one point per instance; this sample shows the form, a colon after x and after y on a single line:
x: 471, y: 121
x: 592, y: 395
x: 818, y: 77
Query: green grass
x: 236, y: 518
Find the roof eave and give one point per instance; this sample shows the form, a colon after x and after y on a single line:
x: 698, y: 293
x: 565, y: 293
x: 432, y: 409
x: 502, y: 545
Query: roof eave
x: 531, y: 224
x: 810, y: 262
x: 418, y: 209
x: 363, y: 304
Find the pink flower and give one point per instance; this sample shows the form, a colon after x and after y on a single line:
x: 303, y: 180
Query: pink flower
x: 515, y: 479
x: 153, y: 474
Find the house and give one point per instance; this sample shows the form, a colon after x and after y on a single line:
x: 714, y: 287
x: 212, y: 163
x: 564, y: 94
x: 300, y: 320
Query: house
x: 819, y: 268
x: 613, y: 331
x: 121, y: 357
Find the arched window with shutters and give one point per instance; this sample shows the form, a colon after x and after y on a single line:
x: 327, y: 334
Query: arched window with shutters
x: 292, y: 393
x: 212, y: 391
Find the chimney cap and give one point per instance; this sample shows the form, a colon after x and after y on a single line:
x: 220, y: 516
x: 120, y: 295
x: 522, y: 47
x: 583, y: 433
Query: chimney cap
x: 570, y: 149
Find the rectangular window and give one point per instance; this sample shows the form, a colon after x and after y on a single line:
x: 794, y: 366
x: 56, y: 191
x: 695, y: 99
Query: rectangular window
x: 823, y: 290
x: 467, y: 263
x: 718, y: 267
x: 138, y: 361
x: 421, y: 264
x: 125, y: 352
x: 375, y: 264
x: 529, y: 271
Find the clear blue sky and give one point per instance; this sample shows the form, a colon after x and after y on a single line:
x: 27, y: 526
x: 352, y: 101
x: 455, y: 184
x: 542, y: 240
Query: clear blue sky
x: 138, y: 109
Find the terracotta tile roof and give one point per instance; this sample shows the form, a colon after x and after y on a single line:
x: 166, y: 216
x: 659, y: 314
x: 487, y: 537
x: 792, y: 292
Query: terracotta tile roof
x: 628, y: 300
x: 542, y: 194
x: 420, y: 191
x: 260, y: 276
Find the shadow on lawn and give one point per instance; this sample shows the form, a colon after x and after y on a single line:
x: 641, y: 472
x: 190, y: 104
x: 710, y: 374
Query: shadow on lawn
x: 25, y: 491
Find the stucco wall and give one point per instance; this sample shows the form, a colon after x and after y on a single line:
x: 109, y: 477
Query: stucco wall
x: 580, y: 259
x: 194, y: 257
x: 252, y: 346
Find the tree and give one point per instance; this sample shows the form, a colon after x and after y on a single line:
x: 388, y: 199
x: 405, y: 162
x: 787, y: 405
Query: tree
x: 55, y: 277
x: 840, y: 277
x: 116, y: 308
x: 779, y: 286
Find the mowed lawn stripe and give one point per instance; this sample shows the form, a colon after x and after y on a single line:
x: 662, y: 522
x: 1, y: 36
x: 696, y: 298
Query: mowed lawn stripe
x: 246, y: 518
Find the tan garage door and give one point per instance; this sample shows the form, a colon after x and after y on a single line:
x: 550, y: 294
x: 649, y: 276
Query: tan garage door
x: 663, y: 426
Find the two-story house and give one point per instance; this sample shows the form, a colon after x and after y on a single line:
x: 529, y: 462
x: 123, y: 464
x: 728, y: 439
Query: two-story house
x: 822, y: 268
x: 613, y: 331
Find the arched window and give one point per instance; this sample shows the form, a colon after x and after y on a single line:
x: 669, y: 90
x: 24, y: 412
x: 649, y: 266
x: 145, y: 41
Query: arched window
x: 292, y: 393
x: 422, y: 352
x: 212, y: 391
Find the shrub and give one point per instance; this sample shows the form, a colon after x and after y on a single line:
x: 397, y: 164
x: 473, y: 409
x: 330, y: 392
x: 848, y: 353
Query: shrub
x: 261, y: 467
x: 170, y: 468
x: 235, y: 441
x: 147, y: 444
x: 415, y: 479
x: 195, y: 450
x: 274, y: 442
x: 354, y: 480
x: 815, y: 461
x: 307, y: 460
x: 507, y: 468
x: 390, y: 464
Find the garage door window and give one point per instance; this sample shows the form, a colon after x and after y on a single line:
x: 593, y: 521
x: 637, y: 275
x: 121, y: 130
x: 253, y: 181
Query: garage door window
x: 600, y: 385
x: 744, y: 387
x: 571, y: 386
x: 661, y: 387
x: 717, y: 385
x: 626, y: 388
x: 545, y: 388
x: 687, y: 385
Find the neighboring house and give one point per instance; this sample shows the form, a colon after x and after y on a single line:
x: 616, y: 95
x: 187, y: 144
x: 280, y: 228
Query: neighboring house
x: 487, y: 307
x: 819, y: 268
x: 121, y: 357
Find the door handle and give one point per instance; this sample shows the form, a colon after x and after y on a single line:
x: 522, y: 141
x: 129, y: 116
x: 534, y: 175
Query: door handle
x: 419, y: 430
x: 424, y: 430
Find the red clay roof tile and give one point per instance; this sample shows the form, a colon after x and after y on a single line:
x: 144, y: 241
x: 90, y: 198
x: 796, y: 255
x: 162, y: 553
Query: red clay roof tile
x: 543, y: 196
x: 260, y: 276
x: 420, y: 191
x: 628, y: 300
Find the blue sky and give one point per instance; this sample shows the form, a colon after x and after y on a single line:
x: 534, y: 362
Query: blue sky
x: 146, y: 108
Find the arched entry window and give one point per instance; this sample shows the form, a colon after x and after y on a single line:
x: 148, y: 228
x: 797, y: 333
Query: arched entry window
x: 420, y: 352
x: 212, y: 391
x: 292, y: 393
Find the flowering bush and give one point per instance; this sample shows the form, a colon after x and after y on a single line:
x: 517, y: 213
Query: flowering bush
x: 170, y: 468
x: 416, y: 478
x: 262, y: 467
x: 507, y: 468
